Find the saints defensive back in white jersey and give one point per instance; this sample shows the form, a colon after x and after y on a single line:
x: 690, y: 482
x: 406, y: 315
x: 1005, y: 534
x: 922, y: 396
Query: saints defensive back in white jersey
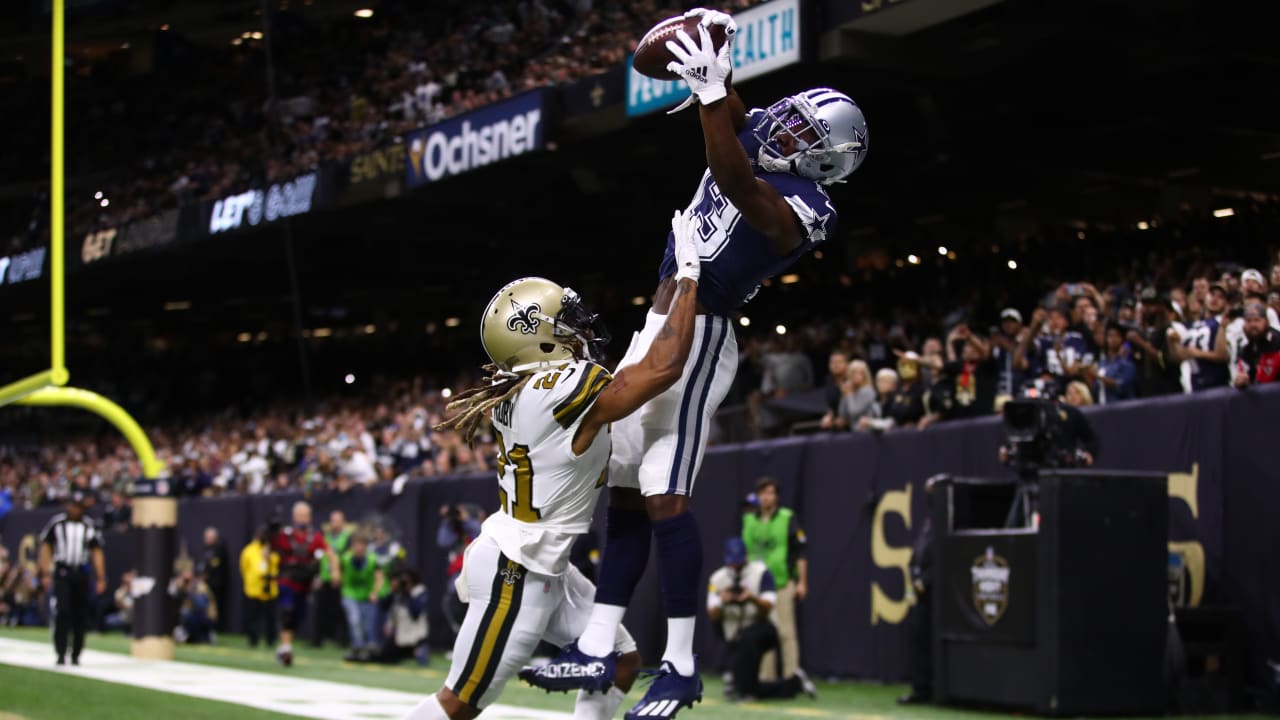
x: 550, y: 403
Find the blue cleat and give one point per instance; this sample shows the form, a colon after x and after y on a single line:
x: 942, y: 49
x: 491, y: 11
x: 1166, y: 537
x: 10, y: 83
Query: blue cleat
x: 669, y: 692
x: 573, y: 669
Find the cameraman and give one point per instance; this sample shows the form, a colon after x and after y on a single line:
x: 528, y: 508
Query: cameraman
x: 740, y: 598
x: 405, y: 634
x: 459, y: 525
x: 1046, y: 433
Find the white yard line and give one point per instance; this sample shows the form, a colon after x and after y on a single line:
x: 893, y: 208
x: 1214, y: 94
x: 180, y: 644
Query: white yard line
x: 278, y: 693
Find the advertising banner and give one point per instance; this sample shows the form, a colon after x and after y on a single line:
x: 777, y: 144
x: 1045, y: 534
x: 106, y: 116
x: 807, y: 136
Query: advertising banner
x: 768, y: 39
x: 374, y: 175
x: 254, y: 207
x: 478, y: 138
x: 23, y: 266
x: 154, y: 231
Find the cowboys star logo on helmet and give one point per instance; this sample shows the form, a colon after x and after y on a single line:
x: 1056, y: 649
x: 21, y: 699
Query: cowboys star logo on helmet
x: 524, y: 317
x: 827, y: 131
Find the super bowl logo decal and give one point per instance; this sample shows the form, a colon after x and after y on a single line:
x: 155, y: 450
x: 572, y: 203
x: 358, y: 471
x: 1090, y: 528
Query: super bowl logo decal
x: 990, y: 574
x: 524, y: 317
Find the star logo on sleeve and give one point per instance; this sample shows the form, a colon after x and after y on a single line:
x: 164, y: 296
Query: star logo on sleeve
x: 815, y: 225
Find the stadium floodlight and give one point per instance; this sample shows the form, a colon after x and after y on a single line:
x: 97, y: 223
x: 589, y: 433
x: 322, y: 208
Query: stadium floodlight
x: 942, y: 250
x: 789, y: 279
x: 1013, y: 264
x: 1224, y: 212
x: 349, y: 379
x: 452, y: 322
x: 744, y: 321
x: 364, y: 13
x: 913, y: 259
x: 780, y: 329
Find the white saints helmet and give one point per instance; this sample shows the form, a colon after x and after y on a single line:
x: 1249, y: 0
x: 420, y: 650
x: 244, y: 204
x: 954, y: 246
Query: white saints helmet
x: 532, y: 324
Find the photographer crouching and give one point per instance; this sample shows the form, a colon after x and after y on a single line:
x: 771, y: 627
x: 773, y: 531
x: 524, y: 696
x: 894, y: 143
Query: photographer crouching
x: 741, y: 596
x: 406, y: 629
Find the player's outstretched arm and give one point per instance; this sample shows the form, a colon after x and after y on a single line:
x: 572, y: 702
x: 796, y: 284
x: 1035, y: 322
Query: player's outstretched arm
x: 756, y: 199
x: 664, y: 363
x: 707, y: 71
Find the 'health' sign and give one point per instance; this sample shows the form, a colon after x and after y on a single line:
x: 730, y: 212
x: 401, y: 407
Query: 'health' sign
x: 768, y: 38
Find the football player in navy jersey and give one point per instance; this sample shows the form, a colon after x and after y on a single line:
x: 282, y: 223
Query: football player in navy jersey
x: 760, y: 205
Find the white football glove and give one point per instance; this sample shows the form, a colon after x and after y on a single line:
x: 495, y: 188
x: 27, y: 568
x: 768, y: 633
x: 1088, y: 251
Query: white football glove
x: 703, y: 69
x: 688, y: 262
x: 714, y: 17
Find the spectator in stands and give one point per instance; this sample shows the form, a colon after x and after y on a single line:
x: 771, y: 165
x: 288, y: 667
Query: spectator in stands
x: 886, y: 389
x: 1260, y: 357
x: 259, y: 571
x: 117, y: 513
x: 1078, y: 394
x: 834, y: 390
x: 907, y: 404
x: 1005, y: 340
x: 362, y: 581
x: 1254, y: 285
x: 931, y: 361
x: 1058, y: 351
x: 1202, y: 348
x: 1157, y: 370
x: 786, y: 368
x: 1116, y: 372
x: 967, y: 383
x: 858, y: 397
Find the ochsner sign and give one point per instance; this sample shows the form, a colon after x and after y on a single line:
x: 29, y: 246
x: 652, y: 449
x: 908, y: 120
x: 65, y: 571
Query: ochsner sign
x: 768, y: 38
x: 251, y: 207
x: 478, y: 138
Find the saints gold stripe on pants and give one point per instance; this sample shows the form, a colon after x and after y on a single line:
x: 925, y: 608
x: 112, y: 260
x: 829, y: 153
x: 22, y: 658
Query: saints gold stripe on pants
x: 492, y: 634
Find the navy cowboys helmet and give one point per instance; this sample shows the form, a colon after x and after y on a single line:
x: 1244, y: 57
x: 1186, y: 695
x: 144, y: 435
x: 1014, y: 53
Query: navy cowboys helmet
x: 828, y: 133
x: 532, y: 324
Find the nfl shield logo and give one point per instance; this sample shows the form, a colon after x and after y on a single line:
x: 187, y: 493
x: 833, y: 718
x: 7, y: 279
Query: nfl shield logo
x: 990, y: 578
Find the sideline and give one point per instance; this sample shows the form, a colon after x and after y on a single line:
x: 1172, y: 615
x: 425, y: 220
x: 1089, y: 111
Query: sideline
x: 301, y: 697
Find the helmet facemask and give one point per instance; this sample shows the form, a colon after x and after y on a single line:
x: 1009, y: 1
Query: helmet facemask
x: 813, y: 153
x: 580, y: 327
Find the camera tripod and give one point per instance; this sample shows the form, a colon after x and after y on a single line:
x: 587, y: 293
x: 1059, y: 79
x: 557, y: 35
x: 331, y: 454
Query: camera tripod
x: 1025, y: 508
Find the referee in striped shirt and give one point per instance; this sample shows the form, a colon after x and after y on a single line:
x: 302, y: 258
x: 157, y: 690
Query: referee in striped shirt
x: 69, y: 543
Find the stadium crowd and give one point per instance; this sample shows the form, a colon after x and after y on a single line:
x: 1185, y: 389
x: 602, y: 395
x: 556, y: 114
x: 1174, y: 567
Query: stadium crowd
x: 341, y: 89
x: 1145, y: 329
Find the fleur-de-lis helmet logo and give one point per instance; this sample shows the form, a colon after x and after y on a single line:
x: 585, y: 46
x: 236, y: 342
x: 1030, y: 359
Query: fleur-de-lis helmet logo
x: 524, y: 317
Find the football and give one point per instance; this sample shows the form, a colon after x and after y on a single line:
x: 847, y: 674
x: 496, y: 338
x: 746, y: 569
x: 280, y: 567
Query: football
x: 652, y: 56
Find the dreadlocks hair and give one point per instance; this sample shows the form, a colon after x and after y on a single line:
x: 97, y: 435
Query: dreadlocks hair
x: 473, y: 405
